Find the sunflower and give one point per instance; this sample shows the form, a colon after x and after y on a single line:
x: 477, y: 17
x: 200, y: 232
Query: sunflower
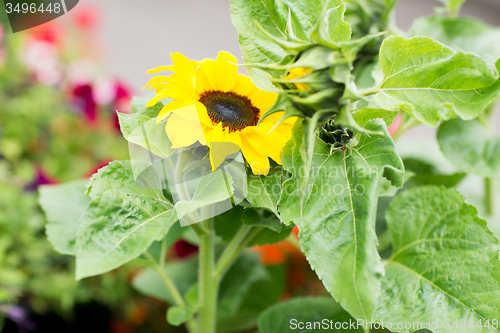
x: 212, y: 103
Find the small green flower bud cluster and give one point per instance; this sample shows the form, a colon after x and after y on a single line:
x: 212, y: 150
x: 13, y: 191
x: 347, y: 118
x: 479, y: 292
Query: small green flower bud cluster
x: 335, y: 135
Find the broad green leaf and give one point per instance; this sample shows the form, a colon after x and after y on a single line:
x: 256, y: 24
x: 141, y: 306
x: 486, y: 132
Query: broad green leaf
x: 122, y: 220
x: 461, y: 34
x: 337, y: 219
x: 177, y: 316
x: 141, y: 129
x: 268, y: 236
x: 300, y: 314
x: 237, y: 281
x: 265, y: 191
x: 444, y: 265
x: 226, y: 225
x: 63, y: 206
x: 363, y: 115
x: 470, y: 147
x: 261, y: 218
x: 432, y: 82
x: 427, y: 174
x: 212, y: 188
x: 281, y: 19
x: 260, y: 296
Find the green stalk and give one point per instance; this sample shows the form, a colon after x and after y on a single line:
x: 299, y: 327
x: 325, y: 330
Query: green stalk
x: 169, y: 284
x: 225, y: 258
x: 208, y: 284
x: 226, y: 261
x: 488, y: 196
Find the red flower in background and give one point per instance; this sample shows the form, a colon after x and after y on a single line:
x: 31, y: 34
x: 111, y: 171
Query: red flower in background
x: 86, y: 97
x: 41, y: 178
x: 83, y: 99
x: 49, y: 32
x: 85, y: 16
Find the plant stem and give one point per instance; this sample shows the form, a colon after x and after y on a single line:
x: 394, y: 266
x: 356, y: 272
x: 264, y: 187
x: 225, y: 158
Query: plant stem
x: 225, y: 262
x: 488, y: 195
x: 225, y: 258
x: 208, y: 284
x: 179, y: 301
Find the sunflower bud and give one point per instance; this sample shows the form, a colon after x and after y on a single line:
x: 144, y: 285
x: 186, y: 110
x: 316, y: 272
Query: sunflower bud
x: 335, y: 135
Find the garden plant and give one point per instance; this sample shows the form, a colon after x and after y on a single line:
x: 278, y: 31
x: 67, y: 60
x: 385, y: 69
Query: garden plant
x: 227, y: 161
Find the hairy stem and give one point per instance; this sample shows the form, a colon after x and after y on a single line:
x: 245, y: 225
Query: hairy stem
x: 169, y: 284
x: 208, y: 284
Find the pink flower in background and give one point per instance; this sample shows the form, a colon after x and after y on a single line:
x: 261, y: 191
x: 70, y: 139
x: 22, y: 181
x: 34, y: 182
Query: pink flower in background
x: 42, y: 58
x: 396, y: 124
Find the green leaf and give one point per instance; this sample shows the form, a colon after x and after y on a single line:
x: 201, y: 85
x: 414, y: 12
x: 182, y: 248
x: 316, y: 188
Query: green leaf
x: 226, y: 225
x: 259, y: 296
x: 265, y: 191
x: 122, y: 220
x: 427, y: 174
x: 337, y: 217
x: 461, y: 34
x: 177, y: 315
x: 63, y: 206
x: 141, y: 129
x: 285, y: 316
x: 213, y: 187
x: 262, y: 218
x: 237, y: 281
x: 282, y: 20
x: 268, y: 236
x: 444, y: 265
x: 432, y: 82
x: 470, y: 147
x: 363, y: 115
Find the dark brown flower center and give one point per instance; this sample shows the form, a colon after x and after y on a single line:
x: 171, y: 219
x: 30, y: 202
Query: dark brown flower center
x: 230, y: 109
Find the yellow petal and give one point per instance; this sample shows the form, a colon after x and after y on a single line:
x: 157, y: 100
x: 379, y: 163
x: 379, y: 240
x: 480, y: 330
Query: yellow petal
x: 160, y: 69
x: 227, y: 71
x: 158, y: 97
x: 258, y: 163
x: 194, y: 111
x: 156, y: 79
x: 168, y: 108
x: 202, y: 84
x: 263, y: 100
x: 267, y: 144
x: 215, y: 138
x: 209, y: 69
x: 181, y: 131
x: 244, y: 85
